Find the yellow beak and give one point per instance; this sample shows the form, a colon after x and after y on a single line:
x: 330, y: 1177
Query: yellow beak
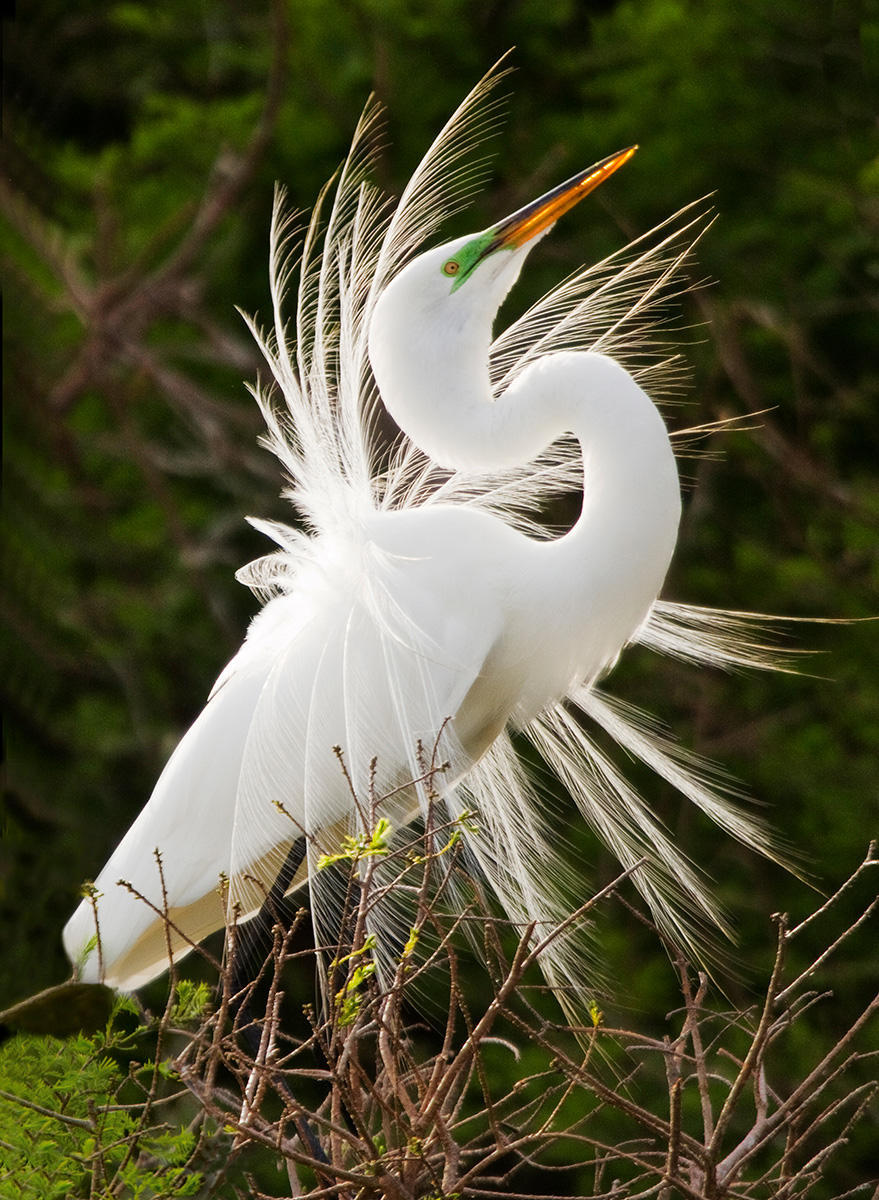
x: 534, y: 218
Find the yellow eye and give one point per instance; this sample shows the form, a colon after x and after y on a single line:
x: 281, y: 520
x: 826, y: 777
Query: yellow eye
x: 451, y: 267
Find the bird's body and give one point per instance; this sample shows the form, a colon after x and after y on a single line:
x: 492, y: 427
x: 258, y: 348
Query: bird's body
x: 422, y: 608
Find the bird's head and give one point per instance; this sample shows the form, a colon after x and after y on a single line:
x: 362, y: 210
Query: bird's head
x: 460, y: 285
x: 431, y: 329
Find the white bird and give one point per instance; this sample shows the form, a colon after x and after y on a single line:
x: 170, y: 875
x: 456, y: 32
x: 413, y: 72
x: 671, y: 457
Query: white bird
x: 425, y: 602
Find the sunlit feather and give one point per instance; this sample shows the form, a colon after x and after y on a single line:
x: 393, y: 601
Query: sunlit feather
x: 340, y: 668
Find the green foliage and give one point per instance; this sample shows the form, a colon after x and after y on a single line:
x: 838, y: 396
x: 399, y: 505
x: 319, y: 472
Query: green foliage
x: 191, y: 1002
x: 66, y: 1130
x: 360, y: 967
x: 360, y: 846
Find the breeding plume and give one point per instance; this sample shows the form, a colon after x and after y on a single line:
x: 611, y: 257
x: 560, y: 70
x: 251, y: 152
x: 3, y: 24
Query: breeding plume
x: 426, y: 605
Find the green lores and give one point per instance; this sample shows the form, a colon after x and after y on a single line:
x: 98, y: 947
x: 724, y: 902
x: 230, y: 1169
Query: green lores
x: 468, y: 258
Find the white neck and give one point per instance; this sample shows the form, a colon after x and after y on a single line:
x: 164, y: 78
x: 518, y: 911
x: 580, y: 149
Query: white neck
x: 614, y: 559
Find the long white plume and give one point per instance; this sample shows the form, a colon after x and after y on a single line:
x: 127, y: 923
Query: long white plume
x: 326, y: 425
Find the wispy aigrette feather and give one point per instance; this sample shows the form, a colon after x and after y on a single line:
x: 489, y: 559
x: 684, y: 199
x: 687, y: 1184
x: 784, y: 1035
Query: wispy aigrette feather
x: 616, y: 307
x: 368, y: 643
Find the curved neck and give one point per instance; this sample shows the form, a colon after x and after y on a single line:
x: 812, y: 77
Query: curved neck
x: 602, y: 577
x: 616, y: 556
x: 440, y: 395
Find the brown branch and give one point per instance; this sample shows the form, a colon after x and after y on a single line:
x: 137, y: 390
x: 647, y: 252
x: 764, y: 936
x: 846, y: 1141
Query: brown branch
x: 870, y: 860
x: 756, y: 1048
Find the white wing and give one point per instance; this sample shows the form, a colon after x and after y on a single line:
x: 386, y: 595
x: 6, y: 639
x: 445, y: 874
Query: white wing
x: 339, y: 662
x: 189, y: 820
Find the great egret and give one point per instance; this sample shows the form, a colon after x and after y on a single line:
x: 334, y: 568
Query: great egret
x: 424, y: 603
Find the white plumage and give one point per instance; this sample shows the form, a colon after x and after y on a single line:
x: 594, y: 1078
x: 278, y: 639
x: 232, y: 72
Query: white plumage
x: 425, y: 601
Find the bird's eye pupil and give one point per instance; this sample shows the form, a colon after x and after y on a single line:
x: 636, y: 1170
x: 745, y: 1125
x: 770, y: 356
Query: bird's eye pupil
x: 452, y: 267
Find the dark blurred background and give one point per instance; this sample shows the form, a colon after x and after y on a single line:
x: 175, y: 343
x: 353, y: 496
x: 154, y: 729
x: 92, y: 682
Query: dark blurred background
x: 142, y: 143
